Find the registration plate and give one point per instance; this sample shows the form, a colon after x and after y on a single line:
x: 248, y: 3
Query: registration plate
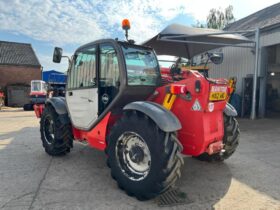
x: 218, y: 93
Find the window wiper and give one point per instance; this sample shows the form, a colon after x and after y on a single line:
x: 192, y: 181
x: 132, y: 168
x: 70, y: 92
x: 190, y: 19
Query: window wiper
x: 138, y: 52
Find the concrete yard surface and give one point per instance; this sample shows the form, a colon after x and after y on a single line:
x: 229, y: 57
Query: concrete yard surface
x: 30, y: 179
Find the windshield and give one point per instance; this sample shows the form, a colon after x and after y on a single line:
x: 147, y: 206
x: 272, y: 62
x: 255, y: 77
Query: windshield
x: 168, y: 61
x: 38, y: 86
x: 142, y: 66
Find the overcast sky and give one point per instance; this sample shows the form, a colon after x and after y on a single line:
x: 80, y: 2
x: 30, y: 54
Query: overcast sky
x: 70, y: 23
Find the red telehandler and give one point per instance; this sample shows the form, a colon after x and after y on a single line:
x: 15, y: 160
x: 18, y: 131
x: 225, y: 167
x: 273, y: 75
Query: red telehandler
x: 116, y: 101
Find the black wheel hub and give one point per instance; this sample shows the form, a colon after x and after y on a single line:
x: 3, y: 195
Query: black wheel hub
x: 136, y: 154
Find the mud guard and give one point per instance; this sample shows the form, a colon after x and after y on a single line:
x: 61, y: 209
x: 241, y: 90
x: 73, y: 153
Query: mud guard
x: 230, y: 110
x: 164, y: 118
x: 59, y: 104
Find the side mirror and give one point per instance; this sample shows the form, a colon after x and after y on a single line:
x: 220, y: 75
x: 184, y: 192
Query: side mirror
x: 216, y: 58
x: 57, y: 54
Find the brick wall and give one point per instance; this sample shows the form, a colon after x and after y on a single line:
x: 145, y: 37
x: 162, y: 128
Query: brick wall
x: 18, y: 75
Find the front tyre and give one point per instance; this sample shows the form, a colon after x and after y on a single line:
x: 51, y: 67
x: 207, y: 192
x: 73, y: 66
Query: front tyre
x: 230, y: 140
x: 144, y: 160
x: 57, y: 138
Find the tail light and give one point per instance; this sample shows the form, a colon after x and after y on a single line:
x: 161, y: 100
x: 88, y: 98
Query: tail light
x: 177, y: 89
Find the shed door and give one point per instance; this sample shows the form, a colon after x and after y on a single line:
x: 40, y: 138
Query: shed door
x: 18, y: 97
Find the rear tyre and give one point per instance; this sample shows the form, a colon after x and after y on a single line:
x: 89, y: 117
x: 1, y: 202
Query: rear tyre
x: 145, y: 161
x: 57, y: 137
x: 230, y: 140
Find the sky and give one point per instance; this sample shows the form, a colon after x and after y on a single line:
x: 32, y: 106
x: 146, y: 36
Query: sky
x: 71, y: 23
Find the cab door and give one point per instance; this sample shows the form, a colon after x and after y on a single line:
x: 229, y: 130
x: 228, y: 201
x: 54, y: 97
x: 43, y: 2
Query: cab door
x: 109, y: 75
x: 82, y: 89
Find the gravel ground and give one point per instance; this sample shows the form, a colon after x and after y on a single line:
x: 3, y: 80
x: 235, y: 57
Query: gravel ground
x: 30, y: 179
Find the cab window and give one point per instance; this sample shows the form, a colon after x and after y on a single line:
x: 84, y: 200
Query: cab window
x: 141, y: 66
x: 109, y: 67
x: 83, y: 70
x: 109, y: 75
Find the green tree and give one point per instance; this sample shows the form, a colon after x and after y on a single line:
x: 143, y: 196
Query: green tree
x: 199, y: 24
x: 218, y: 19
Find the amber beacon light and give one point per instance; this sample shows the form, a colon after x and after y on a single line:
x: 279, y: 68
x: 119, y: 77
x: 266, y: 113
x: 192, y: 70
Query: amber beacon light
x: 125, y: 24
x: 126, y: 27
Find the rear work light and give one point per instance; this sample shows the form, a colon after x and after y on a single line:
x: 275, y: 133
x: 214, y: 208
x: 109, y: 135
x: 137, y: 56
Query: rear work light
x: 197, y: 86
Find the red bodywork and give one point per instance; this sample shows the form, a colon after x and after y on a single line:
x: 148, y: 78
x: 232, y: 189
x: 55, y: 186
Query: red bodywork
x: 37, y: 93
x: 38, y: 108
x: 97, y: 136
x: 199, y: 128
x: 202, y: 129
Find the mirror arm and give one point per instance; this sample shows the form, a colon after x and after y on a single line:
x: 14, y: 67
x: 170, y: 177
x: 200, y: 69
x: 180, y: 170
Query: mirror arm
x: 204, y: 69
x: 65, y: 56
x: 69, y: 62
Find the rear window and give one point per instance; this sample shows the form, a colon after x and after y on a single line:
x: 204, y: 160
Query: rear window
x: 142, y: 66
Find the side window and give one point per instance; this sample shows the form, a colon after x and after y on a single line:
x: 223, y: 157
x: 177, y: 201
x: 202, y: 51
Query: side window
x: 109, y: 67
x: 83, y: 70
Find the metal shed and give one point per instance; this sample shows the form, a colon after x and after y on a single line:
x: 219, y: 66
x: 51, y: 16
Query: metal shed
x: 240, y: 62
x: 53, y: 76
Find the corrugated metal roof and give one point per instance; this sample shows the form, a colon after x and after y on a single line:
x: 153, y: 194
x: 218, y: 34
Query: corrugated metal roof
x: 53, y: 76
x: 264, y: 18
x: 13, y: 53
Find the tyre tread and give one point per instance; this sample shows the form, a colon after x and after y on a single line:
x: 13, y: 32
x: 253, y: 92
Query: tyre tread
x: 63, y: 134
x: 170, y: 170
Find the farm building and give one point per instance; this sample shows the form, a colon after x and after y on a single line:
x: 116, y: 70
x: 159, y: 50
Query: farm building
x: 53, y: 76
x: 18, y: 66
x: 240, y: 62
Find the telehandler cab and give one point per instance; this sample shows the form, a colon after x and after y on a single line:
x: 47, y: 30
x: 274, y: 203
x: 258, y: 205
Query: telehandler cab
x: 115, y: 101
